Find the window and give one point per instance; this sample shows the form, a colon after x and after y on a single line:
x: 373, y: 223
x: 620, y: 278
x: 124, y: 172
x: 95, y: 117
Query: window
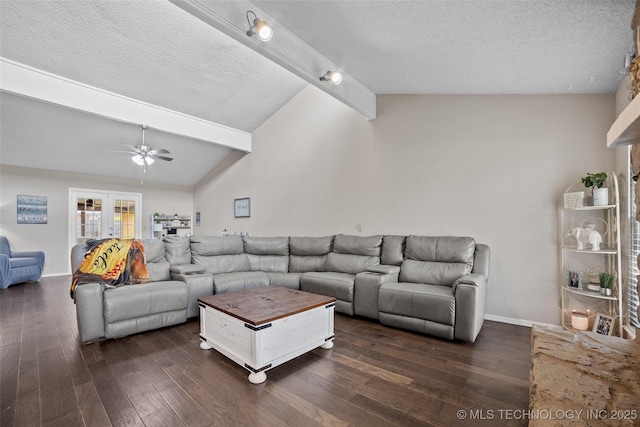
x: 634, y: 251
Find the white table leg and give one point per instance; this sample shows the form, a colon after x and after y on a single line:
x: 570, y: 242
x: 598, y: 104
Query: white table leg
x: 257, y: 378
x: 205, y: 345
x: 328, y: 345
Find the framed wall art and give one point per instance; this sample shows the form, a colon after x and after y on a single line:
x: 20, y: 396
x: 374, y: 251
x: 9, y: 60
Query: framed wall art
x: 32, y: 209
x: 242, y: 208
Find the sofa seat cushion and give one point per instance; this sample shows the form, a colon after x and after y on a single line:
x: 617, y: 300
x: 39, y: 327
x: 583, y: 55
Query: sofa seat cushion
x: 337, y: 285
x: 22, y: 262
x: 231, y: 282
x: 416, y: 300
x: 288, y: 280
x: 133, y: 301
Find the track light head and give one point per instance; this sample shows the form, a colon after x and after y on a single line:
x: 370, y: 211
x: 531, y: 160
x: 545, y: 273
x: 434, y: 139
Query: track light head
x: 333, y: 77
x: 259, y: 27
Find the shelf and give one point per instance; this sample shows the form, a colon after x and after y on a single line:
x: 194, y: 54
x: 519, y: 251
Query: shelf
x: 590, y: 208
x: 626, y: 129
x: 589, y: 251
x: 588, y: 293
x: 606, y: 259
x: 182, y: 222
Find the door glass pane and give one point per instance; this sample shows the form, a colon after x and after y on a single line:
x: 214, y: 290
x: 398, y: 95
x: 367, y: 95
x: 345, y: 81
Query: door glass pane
x: 88, y: 219
x: 124, y: 219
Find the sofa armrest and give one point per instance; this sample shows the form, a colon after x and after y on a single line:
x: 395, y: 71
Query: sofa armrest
x: 367, y: 287
x: 199, y: 285
x: 89, y: 311
x: 384, y: 269
x: 30, y: 254
x: 471, y: 297
x: 4, y: 271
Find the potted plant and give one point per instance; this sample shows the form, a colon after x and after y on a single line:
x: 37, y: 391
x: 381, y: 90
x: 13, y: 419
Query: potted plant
x: 606, y: 281
x: 596, y: 182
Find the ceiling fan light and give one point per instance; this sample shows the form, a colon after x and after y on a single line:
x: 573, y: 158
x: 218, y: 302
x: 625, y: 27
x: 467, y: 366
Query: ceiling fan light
x: 149, y: 160
x: 137, y: 159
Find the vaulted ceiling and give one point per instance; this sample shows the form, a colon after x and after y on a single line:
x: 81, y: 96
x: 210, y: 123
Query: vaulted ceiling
x: 157, y: 52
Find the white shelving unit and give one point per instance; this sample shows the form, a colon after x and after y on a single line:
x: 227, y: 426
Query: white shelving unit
x: 590, y: 263
x: 160, y: 226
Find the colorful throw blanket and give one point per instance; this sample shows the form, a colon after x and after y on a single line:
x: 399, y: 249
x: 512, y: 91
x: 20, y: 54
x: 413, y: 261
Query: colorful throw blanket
x: 114, y: 262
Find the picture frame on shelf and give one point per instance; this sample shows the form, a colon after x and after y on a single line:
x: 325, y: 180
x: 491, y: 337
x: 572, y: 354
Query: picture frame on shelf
x: 603, y: 325
x: 574, y: 279
x: 242, y: 208
x: 574, y: 200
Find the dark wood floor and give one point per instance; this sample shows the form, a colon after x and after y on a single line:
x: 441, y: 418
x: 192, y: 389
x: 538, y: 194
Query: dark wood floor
x: 374, y: 376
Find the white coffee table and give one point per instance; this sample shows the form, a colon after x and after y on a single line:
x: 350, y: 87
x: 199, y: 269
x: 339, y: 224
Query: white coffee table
x: 262, y: 328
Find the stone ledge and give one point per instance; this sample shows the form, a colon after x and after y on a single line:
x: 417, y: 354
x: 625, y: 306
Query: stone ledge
x: 583, y: 379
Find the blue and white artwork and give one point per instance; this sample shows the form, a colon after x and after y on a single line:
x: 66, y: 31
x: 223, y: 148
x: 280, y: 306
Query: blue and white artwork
x: 32, y: 209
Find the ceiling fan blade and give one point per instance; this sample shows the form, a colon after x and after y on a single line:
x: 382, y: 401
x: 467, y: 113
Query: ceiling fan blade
x: 168, y: 159
x: 160, y: 151
x: 122, y: 151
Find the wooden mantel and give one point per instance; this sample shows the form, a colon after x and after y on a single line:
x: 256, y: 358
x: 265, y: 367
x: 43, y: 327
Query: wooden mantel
x: 626, y: 129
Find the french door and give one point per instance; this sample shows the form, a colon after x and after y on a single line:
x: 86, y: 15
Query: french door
x: 96, y: 214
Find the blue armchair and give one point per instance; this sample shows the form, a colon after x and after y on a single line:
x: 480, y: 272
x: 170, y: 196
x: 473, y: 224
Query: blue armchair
x: 18, y: 267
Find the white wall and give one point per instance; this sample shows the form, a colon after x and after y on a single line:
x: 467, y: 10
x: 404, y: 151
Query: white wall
x: 53, y: 236
x: 491, y: 167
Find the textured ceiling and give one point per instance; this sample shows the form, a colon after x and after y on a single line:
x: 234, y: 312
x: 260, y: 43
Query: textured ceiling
x: 468, y: 47
x: 156, y: 52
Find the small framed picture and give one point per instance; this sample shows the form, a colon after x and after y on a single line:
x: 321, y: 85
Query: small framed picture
x: 574, y: 200
x: 242, y: 208
x: 574, y: 279
x: 603, y: 324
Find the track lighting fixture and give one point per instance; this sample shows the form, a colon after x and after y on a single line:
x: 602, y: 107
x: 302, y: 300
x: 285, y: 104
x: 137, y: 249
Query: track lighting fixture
x: 259, y: 28
x: 333, y: 77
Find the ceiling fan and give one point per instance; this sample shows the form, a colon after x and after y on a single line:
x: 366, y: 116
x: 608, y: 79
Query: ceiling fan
x: 144, y: 155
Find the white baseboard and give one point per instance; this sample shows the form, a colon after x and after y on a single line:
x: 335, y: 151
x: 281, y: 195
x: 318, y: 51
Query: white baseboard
x: 56, y: 274
x: 512, y: 321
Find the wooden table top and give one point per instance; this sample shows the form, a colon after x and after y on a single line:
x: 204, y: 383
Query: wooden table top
x: 263, y: 305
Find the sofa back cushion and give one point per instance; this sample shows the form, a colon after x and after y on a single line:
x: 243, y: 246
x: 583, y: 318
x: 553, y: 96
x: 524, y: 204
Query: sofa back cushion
x: 353, y: 254
x: 357, y: 245
x: 177, y: 249
x: 310, y: 246
x: 269, y: 254
x: 309, y: 253
x: 437, y: 260
x: 392, y: 250
x: 157, y: 264
x: 219, y: 254
x: 216, y: 245
x: 266, y: 245
x: 347, y: 263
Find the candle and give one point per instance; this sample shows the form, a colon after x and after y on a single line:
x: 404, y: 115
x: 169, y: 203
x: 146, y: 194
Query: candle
x: 579, y: 320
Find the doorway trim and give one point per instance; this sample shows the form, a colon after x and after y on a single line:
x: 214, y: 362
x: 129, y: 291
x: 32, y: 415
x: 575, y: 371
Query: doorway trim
x: 108, y: 196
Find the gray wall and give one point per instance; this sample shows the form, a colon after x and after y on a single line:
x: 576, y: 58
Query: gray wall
x: 53, y: 237
x: 491, y: 167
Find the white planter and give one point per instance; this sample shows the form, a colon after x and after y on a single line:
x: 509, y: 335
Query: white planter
x: 600, y: 196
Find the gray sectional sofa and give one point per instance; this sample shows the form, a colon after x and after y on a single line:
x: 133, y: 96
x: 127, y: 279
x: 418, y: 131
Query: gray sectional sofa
x: 433, y: 285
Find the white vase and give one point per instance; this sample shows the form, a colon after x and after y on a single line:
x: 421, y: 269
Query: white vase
x: 600, y: 196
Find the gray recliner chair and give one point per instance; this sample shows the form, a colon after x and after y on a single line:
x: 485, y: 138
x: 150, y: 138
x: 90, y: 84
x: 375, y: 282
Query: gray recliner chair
x: 18, y: 267
x: 441, y: 289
